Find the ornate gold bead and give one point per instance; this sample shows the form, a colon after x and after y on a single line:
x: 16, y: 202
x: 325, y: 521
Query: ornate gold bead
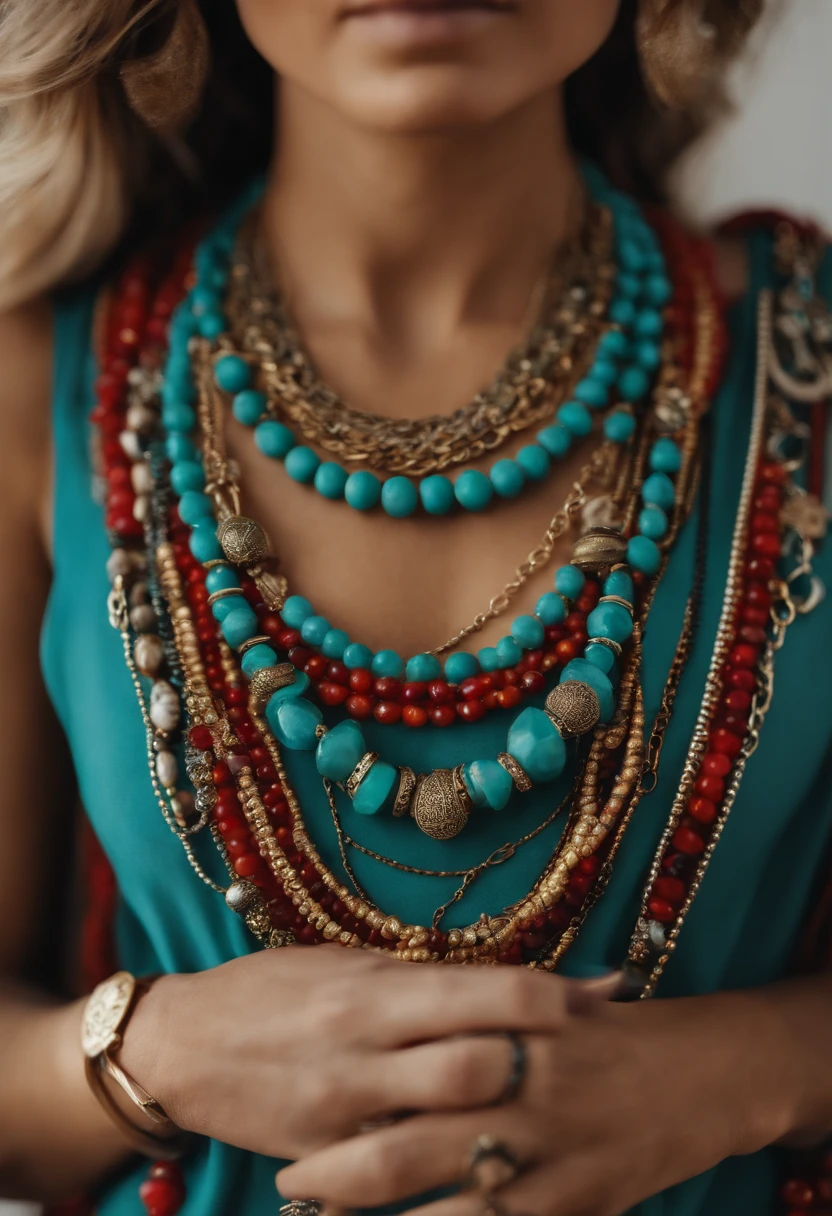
x: 440, y: 804
x: 243, y: 540
x: 407, y: 784
x: 241, y: 894
x: 268, y: 680
x: 360, y: 772
x: 599, y: 549
x: 573, y: 707
x: 522, y: 780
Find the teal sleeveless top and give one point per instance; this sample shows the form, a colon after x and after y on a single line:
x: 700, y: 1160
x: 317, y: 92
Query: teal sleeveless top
x: 742, y: 928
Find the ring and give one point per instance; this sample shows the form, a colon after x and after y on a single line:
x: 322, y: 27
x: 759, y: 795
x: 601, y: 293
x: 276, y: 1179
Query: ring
x: 301, y: 1207
x: 491, y: 1165
x: 518, y: 1066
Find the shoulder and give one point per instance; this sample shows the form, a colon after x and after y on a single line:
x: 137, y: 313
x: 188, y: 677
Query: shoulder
x: 26, y: 340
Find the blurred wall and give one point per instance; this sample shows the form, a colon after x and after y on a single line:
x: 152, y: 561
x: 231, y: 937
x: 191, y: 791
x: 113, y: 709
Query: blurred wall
x: 777, y: 148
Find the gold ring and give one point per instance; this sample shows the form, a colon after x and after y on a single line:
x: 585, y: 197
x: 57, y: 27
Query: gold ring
x: 491, y: 1165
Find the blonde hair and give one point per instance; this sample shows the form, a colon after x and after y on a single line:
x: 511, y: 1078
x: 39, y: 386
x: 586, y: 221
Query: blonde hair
x: 78, y: 167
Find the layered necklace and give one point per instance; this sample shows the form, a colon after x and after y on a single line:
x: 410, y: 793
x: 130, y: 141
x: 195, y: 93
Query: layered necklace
x: 623, y: 358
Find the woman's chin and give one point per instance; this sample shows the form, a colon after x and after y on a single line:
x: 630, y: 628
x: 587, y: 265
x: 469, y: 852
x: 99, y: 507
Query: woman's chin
x: 429, y: 99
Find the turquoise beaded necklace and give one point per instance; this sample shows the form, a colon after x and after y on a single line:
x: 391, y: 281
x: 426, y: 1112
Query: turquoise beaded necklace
x: 536, y: 741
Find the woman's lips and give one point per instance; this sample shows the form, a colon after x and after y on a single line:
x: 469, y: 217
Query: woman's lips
x: 425, y: 22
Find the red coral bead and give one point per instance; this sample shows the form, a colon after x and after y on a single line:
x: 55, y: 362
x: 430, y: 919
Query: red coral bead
x: 200, y: 737
x: 669, y: 888
x: 567, y: 650
x: 797, y: 1193
x: 471, y: 711
x: 533, y: 682
x: 773, y: 473
x: 442, y: 715
x: 660, y: 910
x: 361, y: 680
x: 359, y: 706
x: 414, y: 716
x: 744, y: 655
x: 761, y: 568
x: 288, y: 639
x: 753, y: 635
x: 737, y: 700
x: 763, y: 521
x: 507, y: 698
x: 742, y: 679
x: 247, y: 865
x: 332, y: 693
x: 715, y: 764
x: 161, y: 1196
x: 338, y: 672
x: 750, y: 615
x: 726, y: 741
x: 440, y: 692
x: 710, y: 787
x: 388, y: 688
x: 388, y: 712
x: 766, y: 544
x: 703, y: 810
x: 687, y: 841
x: 316, y: 667
x: 416, y: 690
x: 299, y: 656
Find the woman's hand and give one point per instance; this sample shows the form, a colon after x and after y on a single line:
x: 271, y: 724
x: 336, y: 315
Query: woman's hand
x: 285, y: 1052
x: 619, y: 1102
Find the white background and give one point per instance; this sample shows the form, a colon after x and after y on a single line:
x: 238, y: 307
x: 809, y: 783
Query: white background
x: 776, y: 150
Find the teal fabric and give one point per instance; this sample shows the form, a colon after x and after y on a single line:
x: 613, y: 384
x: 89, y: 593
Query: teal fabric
x: 741, y: 930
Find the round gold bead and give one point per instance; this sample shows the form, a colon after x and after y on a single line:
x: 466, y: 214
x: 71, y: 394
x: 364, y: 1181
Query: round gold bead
x: 573, y: 707
x: 598, y: 549
x: 440, y: 804
x: 243, y: 540
x: 268, y: 680
x: 241, y: 894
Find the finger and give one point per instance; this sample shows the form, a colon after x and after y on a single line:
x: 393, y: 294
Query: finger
x: 449, y: 1074
x: 544, y: 1191
x: 408, y: 1159
x: 430, y: 1003
x: 584, y: 995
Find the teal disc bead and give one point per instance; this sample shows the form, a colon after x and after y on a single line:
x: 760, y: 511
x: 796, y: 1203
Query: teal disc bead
x: 178, y: 417
x: 647, y: 354
x: 203, y: 542
x: 302, y: 464
x: 507, y: 478
x: 331, y: 480
x: 588, y: 673
x: 536, y: 745
x: 649, y: 323
x: 665, y: 456
x: 387, y: 663
x: 295, y: 611
x: 232, y: 373
x: 295, y: 723
x: 423, y: 667
x: 611, y: 621
x: 633, y: 383
x: 619, y: 426
x: 357, y: 655
x: 658, y: 491
x: 335, y: 643
x: 221, y: 578
x: 239, y: 625
x: 340, y: 750
x: 248, y: 406
x: 461, y: 666
x: 657, y: 290
x: 622, y: 312
x: 473, y: 490
x: 257, y: 658
x: 600, y: 656
x: 620, y: 583
x: 509, y: 652
x: 592, y: 392
x: 528, y: 632
x: 437, y: 494
x: 488, y: 783
x: 298, y: 688
x: 187, y: 475
x: 569, y: 581
x: 399, y: 497
x: 377, y: 790
x: 604, y: 370
x: 534, y: 461
x: 274, y: 439
x: 221, y: 608
x: 614, y: 344
x: 550, y: 609
x: 576, y: 418
x: 314, y: 629
x: 556, y: 439
x: 363, y: 490
x: 653, y: 522
x: 195, y: 506
x: 488, y: 658
x: 644, y: 554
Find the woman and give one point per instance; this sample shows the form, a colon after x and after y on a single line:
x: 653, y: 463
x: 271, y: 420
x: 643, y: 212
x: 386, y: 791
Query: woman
x: 444, y: 185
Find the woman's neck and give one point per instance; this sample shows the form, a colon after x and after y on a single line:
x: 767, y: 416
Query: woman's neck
x: 408, y: 237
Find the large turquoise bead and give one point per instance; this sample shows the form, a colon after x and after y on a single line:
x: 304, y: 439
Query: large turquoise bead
x: 179, y: 448
x: 576, y: 418
x: 228, y: 603
x: 302, y: 464
x: 644, y: 554
x: 653, y: 522
x: 340, y: 750
x: 610, y: 621
x: 423, y: 667
x: 437, y: 494
x: 588, y: 673
x: 363, y: 490
x: 536, y: 745
x: 556, y: 439
x: 473, y: 490
x: 665, y: 456
x: 488, y: 783
x: 194, y: 506
x: 461, y: 666
x: 249, y: 406
x: 232, y: 373
x: 619, y: 426
x: 203, y: 542
x: 569, y: 581
x: 221, y: 578
x: 600, y: 656
x: 257, y: 658
x: 331, y: 480
x: 488, y: 658
x: 187, y: 475
x: 507, y: 478
x: 528, y: 632
x: 239, y: 625
x: 335, y: 643
x: 399, y: 497
x: 534, y: 461
x: 357, y: 655
x: 295, y: 611
x: 294, y: 722
x: 659, y: 491
x: 314, y: 629
x: 592, y: 392
x: 509, y: 652
x: 388, y: 663
x: 550, y: 608
x: 377, y: 789
x: 274, y: 439
x: 620, y: 583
